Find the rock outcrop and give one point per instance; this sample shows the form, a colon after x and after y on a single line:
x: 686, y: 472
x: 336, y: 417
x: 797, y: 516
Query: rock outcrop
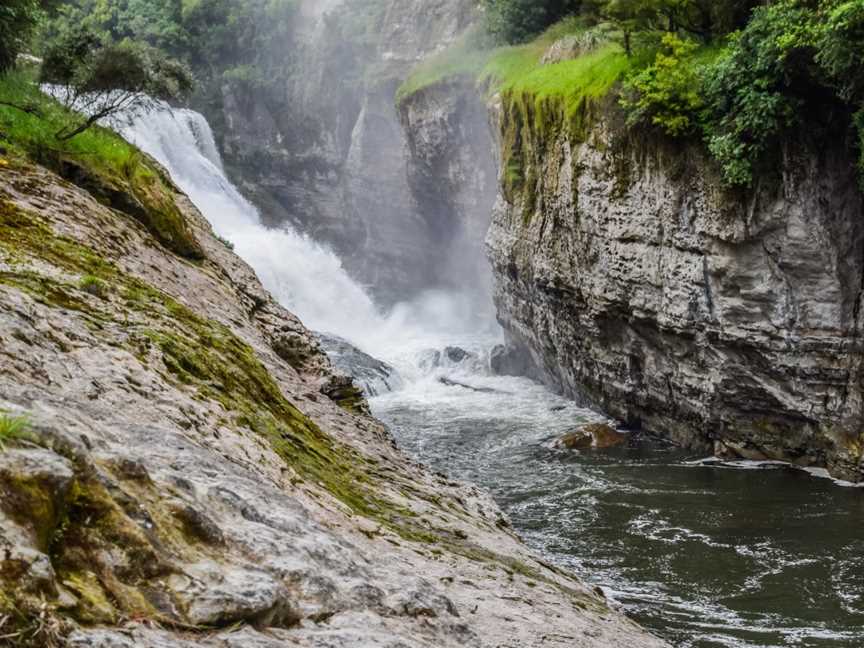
x: 174, y: 471
x: 718, y: 319
x: 453, y: 175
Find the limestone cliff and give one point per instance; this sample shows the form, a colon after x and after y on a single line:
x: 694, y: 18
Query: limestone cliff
x: 453, y: 176
x: 180, y: 467
x: 726, y: 321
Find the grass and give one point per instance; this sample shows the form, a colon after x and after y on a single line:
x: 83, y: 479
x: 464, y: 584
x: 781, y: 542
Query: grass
x: 114, y: 171
x: 13, y: 428
x: 465, y: 58
x: 520, y: 68
x: 93, y: 286
x: 32, y: 135
x: 570, y: 83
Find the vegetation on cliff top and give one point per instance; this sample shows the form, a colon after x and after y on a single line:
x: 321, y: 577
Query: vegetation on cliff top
x: 742, y: 78
x: 115, y: 172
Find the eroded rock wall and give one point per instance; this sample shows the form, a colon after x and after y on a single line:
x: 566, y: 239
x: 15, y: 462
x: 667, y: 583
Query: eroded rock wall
x: 453, y: 177
x: 728, y: 322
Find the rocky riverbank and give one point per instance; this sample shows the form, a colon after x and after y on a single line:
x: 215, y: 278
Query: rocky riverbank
x: 184, y: 469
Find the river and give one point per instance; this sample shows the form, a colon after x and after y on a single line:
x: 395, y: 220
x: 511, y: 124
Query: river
x: 705, y: 556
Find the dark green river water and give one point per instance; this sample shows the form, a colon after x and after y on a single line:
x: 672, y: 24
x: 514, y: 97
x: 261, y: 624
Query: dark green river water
x: 703, y: 556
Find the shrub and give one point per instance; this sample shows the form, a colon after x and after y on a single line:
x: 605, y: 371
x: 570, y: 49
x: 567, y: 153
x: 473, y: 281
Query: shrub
x: 666, y: 94
x: 751, y: 90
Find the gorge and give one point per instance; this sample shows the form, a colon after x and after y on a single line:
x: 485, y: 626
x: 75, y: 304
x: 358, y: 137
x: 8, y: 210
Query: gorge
x: 194, y: 466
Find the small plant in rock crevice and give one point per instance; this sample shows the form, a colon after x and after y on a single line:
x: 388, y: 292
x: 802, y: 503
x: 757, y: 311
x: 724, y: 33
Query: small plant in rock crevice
x: 13, y: 428
x: 94, y: 286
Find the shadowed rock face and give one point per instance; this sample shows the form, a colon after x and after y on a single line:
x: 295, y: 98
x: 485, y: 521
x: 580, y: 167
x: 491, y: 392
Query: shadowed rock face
x: 642, y: 287
x: 328, y: 154
x: 453, y: 178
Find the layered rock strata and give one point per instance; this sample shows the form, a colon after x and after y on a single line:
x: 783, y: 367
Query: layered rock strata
x: 727, y: 321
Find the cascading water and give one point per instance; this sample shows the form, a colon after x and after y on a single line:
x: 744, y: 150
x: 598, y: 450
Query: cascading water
x: 706, y: 557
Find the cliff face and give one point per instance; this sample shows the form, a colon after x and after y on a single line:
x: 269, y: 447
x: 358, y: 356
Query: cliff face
x: 328, y: 155
x: 453, y: 176
x: 189, y: 471
x: 726, y: 322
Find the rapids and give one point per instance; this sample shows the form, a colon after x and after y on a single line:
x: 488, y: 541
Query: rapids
x: 705, y: 556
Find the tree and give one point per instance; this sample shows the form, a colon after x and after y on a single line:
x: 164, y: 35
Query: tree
x: 631, y: 17
x: 760, y: 87
x: 705, y: 19
x: 114, y: 80
x: 515, y: 21
x: 18, y: 19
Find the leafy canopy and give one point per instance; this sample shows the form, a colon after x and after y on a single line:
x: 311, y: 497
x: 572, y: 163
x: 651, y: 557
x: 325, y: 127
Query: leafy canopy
x: 666, y: 94
x: 18, y: 20
x: 110, y: 80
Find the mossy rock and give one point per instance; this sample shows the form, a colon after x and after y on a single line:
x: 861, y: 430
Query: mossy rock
x: 145, y: 194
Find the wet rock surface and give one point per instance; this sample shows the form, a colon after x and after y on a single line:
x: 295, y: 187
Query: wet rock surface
x: 373, y: 376
x: 187, y: 478
x: 600, y: 436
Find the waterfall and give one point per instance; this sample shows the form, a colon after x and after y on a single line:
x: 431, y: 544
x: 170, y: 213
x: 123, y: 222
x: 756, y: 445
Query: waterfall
x: 304, y: 276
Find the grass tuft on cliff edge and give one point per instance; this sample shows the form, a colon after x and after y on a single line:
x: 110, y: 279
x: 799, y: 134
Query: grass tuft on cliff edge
x: 100, y: 161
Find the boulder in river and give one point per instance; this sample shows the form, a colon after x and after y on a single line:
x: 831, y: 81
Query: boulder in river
x: 594, y: 435
x: 457, y: 355
x: 509, y: 360
x: 373, y: 376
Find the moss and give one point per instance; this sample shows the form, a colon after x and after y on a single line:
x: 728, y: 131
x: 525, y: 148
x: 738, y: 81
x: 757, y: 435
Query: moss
x: 27, y: 621
x: 93, y: 606
x: 33, y: 503
x: 204, y: 356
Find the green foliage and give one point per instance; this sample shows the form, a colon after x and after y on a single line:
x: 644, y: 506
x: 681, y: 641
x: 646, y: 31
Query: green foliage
x: 631, y: 17
x: 516, y: 21
x: 111, y: 79
x: 839, y: 43
x: 93, y: 286
x: 31, y: 135
x: 794, y: 61
x: 98, y: 159
x: 18, y: 19
x: 466, y: 57
x: 666, y: 94
x: 13, y: 428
